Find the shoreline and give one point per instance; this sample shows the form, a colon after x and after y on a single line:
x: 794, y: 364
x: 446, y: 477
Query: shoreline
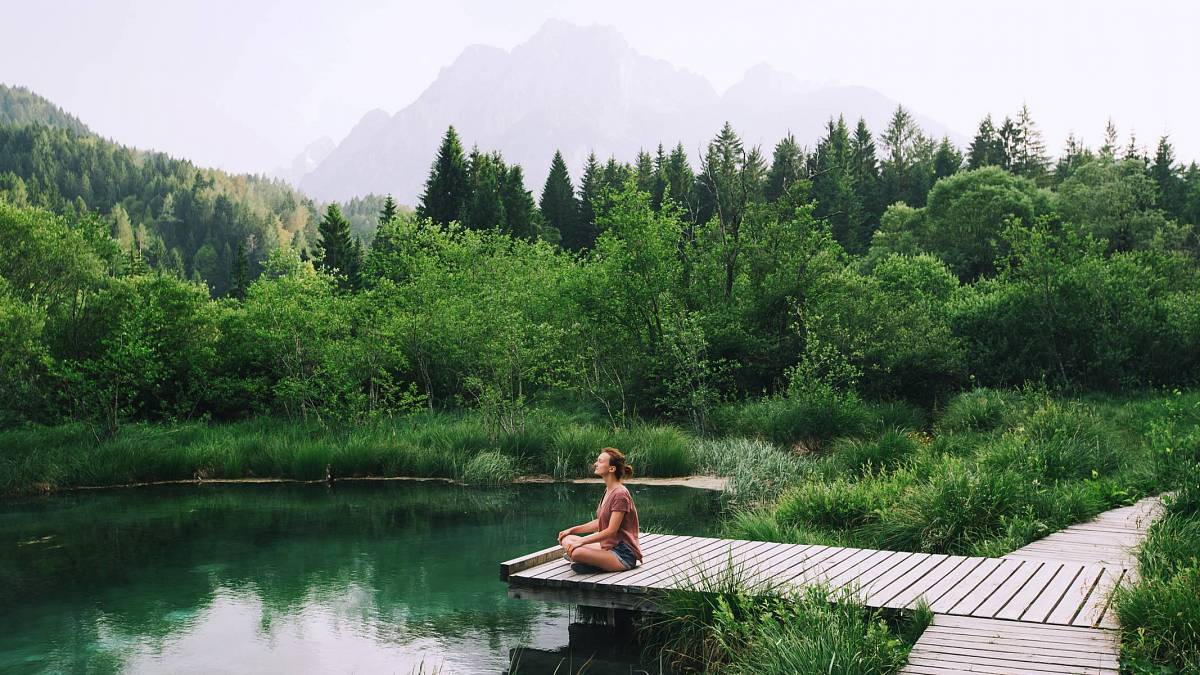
x: 698, y: 482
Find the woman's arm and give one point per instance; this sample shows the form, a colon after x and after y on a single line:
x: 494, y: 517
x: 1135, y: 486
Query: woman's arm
x: 614, y: 524
x: 585, y: 528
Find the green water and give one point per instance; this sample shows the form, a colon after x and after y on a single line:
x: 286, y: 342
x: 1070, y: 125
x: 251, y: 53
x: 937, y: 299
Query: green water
x: 360, y: 577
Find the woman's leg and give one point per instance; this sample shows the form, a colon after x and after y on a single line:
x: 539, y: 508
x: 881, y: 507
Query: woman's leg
x: 592, y: 554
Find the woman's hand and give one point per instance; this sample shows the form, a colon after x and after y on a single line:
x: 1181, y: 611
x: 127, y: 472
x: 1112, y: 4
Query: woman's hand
x: 564, y: 533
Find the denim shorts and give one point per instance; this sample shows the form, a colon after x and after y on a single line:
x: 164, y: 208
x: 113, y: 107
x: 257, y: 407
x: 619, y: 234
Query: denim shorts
x: 625, y: 554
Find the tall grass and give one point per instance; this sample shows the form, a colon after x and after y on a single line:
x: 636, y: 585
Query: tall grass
x: 727, y: 622
x: 443, y: 445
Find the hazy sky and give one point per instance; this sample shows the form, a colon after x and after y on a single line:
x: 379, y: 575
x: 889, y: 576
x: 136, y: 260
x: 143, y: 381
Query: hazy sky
x: 245, y: 85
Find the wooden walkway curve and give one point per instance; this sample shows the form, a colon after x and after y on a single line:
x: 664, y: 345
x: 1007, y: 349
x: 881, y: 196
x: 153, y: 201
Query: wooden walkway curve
x: 1027, y: 591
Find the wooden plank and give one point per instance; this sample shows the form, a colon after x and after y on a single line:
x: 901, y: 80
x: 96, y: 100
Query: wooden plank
x: 679, y: 562
x: 578, y: 596
x: 1059, y: 632
x: 882, y: 596
x: 1017, y: 638
x: 920, y: 587
x: 937, y: 590
x: 772, y: 573
x: 714, y: 565
x: 1099, y: 600
x: 951, y: 665
x: 1023, y: 599
x: 1008, y: 589
x: 1051, y: 660
x: 986, y: 586
x: 869, y: 588
x: 851, y: 565
x: 673, y: 562
x: 864, y: 574
x: 1047, y: 653
x: 800, y: 574
x: 964, y: 586
x: 510, y: 567
x: 564, y: 575
x: 1076, y: 595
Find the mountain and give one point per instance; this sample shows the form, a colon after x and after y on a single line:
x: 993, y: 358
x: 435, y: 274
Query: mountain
x: 578, y: 89
x: 304, y: 163
x: 21, y: 107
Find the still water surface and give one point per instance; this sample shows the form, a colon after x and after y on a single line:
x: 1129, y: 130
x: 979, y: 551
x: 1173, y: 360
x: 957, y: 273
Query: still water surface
x: 361, y: 577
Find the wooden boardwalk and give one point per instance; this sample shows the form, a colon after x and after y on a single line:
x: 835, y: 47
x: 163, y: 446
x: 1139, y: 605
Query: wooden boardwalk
x: 1054, y: 592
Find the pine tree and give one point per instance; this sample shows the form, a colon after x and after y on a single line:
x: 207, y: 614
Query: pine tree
x: 987, y: 148
x: 833, y: 186
x: 1029, y: 157
x: 1133, y: 151
x: 447, y: 190
x: 390, y: 210
x: 337, y: 248
x: 1074, y: 155
x: 947, y: 161
x: 583, y: 235
x: 906, y: 170
x: 1009, y: 140
x: 485, y: 209
x: 787, y: 167
x: 658, y: 186
x: 644, y: 172
x: 520, y: 214
x: 1169, y: 178
x: 1109, y: 149
x: 865, y: 170
x: 560, y: 210
x: 240, y: 274
x: 680, y: 181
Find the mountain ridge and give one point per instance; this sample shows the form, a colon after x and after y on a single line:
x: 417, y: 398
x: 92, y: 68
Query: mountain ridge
x: 579, y: 89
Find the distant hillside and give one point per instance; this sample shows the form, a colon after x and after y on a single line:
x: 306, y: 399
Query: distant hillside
x: 578, y: 89
x: 21, y: 107
x: 174, y: 215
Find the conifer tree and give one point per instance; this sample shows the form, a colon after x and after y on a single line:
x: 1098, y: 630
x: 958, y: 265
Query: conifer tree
x: 1074, y: 155
x: 558, y: 205
x: 337, y: 254
x: 389, y: 210
x: 680, y: 181
x: 787, y: 167
x: 1028, y: 158
x: 947, y: 161
x: 240, y: 274
x: 447, y: 190
x: 643, y: 172
x: 485, y: 209
x: 987, y: 148
x: 520, y: 214
x: 1109, y: 149
x: 658, y: 185
x: 584, y: 231
x: 865, y: 171
x: 906, y: 169
x: 1169, y: 178
x: 833, y: 186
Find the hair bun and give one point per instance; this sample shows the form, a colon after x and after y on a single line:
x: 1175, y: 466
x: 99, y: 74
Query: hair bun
x: 628, y: 470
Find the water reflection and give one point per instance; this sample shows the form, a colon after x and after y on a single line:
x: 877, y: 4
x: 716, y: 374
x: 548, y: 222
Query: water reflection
x: 361, y: 577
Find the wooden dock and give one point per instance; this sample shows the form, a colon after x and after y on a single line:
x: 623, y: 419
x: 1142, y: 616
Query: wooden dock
x: 1036, y: 610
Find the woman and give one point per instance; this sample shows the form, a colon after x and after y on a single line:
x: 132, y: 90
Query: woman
x: 611, y: 544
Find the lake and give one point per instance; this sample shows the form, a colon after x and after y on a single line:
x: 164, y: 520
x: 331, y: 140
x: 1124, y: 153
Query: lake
x: 379, y: 576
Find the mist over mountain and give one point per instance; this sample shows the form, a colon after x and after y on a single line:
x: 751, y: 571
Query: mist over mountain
x: 579, y: 89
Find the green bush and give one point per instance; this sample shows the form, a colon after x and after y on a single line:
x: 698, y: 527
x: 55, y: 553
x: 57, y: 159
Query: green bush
x: 976, y: 410
x: 1159, y: 615
x: 860, y: 456
x: 489, y: 467
x: 756, y: 471
x: 832, y: 505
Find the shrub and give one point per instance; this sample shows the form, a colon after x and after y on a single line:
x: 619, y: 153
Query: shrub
x: 756, y: 471
x: 831, y: 505
x: 489, y: 467
x: 1159, y: 615
x: 864, y: 456
x: 976, y: 410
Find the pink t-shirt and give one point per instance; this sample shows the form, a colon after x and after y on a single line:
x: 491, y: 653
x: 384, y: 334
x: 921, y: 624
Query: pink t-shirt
x: 619, y: 499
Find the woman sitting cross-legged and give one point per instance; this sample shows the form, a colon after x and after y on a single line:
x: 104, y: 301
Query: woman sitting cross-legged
x: 611, y: 544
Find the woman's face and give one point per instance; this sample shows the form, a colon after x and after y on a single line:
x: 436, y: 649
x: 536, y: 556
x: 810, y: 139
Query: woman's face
x: 602, y: 468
